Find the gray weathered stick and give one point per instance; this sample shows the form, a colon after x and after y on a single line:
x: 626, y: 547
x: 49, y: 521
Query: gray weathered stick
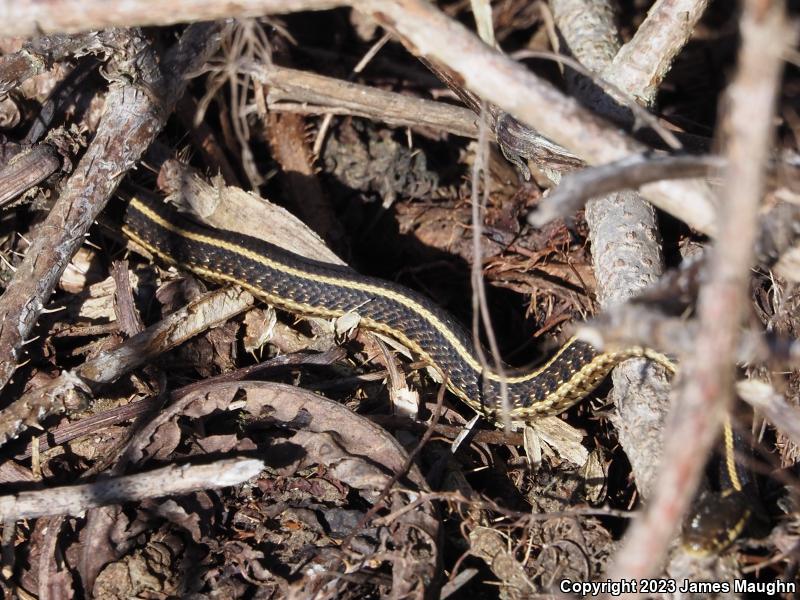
x: 169, y: 481
x: 623, y: 229
x: 291, y: 90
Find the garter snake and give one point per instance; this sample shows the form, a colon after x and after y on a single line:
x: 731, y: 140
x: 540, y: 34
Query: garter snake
x: 307, y: 287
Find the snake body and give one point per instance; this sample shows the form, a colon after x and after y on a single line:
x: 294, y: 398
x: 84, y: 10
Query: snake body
x: 307, y: 287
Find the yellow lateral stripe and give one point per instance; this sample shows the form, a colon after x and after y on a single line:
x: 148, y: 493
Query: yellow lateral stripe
x: 730, y: 455
x: 397, y: 297
x: 544, y: 406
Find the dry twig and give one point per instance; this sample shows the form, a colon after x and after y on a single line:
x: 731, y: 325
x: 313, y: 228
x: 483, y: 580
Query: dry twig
x: 577, y: 187
x: 171, y: 480
x: 310, y: 94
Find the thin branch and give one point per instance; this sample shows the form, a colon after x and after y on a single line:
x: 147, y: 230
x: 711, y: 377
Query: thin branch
x: 291, y: 90
x: 635, y: 325
x: 480, y: 306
